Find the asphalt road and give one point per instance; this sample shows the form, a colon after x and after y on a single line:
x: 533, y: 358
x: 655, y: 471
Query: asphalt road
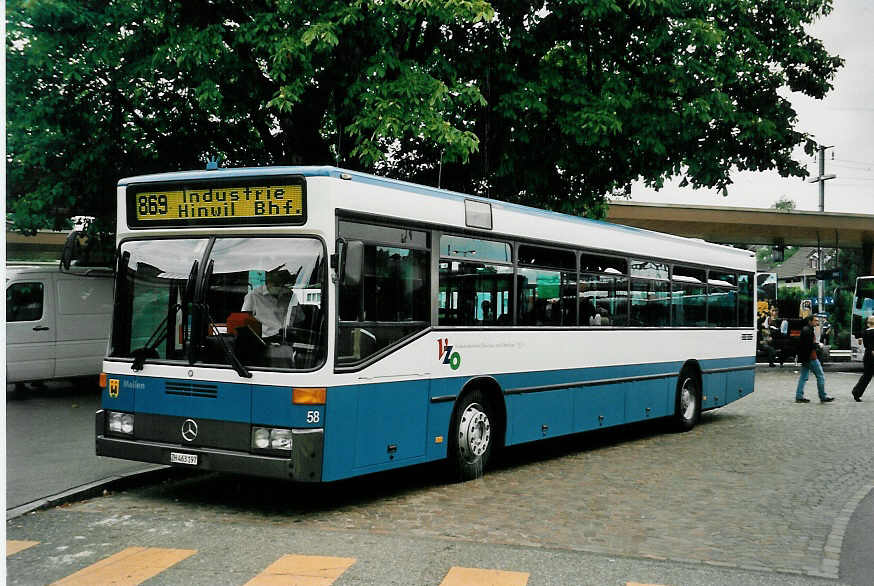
x: 50, y: 443
x: 764, y: 491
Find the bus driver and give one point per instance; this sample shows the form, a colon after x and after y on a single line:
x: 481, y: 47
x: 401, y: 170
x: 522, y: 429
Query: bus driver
x: 269, y: 303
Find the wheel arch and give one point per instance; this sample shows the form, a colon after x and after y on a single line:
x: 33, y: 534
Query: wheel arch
x: 682, y: 420
x: 495, y: 396
x: 692, y: 365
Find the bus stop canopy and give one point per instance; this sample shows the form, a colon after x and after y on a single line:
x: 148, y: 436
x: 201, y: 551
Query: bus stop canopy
x: 748, y: 225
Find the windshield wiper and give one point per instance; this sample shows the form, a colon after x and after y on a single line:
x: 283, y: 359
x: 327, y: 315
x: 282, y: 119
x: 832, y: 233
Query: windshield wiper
x: 204, y: 309
x: 148, y: 351
x: 231, y: 357
x: 140, y: 355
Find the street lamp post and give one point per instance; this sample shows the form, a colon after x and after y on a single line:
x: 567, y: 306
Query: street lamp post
x: 821, y: 179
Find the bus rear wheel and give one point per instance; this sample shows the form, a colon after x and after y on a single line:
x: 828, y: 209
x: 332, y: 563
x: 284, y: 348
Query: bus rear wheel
x: 688, y: 405
x: 472, y: 436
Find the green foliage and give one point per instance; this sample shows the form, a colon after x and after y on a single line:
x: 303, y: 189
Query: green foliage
x: 784, y: 204
x: 764, y: 254
x: 841, y: 317
x: 555, y: 105
x: 852, y: 265
x: 789, y: 301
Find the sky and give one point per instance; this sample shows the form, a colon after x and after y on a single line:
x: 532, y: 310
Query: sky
x: 845, y: 119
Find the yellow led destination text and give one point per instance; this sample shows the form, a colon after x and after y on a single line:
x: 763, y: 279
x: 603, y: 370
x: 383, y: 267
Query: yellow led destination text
x: 254, y: 201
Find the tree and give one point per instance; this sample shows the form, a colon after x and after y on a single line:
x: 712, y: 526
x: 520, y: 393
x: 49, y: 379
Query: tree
x: 555, y: 105
x: 784, y: 204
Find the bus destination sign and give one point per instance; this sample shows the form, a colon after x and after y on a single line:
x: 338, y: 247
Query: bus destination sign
x: 267, y: 201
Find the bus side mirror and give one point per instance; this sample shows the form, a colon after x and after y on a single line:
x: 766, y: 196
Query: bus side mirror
x: 350, y: 261
x: 70, y: 248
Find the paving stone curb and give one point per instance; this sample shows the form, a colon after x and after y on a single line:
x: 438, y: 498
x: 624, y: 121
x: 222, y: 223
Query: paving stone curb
x: 90, y: 490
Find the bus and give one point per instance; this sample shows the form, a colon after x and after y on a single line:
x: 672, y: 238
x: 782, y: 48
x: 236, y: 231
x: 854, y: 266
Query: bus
x: 863, y: 306
x: 315, y: 324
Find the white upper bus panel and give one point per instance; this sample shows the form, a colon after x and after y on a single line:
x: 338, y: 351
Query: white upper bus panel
x: 352, y: 191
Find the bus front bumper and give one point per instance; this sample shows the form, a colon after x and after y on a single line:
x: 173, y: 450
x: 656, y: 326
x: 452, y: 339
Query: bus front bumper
x: 305, y: 464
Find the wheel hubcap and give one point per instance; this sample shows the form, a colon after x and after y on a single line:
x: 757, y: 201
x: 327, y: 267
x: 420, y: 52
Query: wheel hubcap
x: 688, y: 400
x: 474, y: 432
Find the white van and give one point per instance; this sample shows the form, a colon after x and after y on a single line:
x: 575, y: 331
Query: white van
x: 57, y: 322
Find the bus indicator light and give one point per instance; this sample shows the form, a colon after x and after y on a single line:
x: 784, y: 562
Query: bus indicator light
x: 308, y: 396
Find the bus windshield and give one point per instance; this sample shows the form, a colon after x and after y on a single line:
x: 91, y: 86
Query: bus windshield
x: 863, y: 304
x: 258, y: 302
x: 864, y: 294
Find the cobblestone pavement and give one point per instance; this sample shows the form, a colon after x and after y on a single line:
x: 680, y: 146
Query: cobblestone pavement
x: 763, y: 483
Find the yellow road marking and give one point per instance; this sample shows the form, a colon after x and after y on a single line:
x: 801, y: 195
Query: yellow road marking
x: 302, y: 570
x: 129, y: 566
x: 477, y: 577
x: 13, y: 546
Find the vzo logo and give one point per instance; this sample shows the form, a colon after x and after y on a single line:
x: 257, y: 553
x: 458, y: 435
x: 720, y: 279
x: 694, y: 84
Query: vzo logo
x: 446, y: 355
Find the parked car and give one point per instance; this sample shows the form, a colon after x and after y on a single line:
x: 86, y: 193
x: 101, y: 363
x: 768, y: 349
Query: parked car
x: 57, y: 322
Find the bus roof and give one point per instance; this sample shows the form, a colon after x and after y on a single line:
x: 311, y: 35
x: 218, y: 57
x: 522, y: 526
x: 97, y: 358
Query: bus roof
x: 738, y: 255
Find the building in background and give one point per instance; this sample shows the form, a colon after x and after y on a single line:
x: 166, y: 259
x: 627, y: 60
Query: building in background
x: 799, y: 270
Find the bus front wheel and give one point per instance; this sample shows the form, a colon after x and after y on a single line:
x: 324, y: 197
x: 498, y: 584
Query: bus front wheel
x: 688, y: 407
x: 471, y: 436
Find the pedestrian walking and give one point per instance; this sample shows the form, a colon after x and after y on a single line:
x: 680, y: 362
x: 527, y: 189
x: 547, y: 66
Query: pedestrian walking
x: 867, y: 361
x: 809, y: 359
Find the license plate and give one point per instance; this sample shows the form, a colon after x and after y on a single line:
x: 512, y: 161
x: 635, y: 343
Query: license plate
x: 177, y: 458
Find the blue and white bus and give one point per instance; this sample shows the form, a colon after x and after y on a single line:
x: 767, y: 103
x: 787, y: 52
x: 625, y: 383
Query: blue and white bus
x: 314, y: 324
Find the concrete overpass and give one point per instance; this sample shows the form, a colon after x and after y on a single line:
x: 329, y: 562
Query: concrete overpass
x: 724, y: 225
x: 751, y: 225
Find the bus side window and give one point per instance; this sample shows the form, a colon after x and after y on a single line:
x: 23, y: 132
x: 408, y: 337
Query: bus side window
x: 746, y: 311
x: 392, y: 299
x: 603, y: 290
x: 473, y: 293
x: 650, y: 303
x: 543, y: 301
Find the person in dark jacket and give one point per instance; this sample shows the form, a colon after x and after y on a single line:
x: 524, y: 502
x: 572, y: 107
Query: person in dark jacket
x: 809, y: 360
x: 867, y: 360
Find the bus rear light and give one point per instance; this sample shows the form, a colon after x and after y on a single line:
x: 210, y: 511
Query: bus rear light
x: 102, y: 380
x: 308, y: 395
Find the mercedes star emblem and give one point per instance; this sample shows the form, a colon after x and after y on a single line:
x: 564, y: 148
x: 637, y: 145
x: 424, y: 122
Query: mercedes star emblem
x: 189, y: 430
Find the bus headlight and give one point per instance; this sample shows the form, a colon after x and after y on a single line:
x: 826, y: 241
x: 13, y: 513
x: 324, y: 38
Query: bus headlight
x: 261, y: 438
x: 121, y: 422
x: 280, y: 439
x: 271, y: 439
